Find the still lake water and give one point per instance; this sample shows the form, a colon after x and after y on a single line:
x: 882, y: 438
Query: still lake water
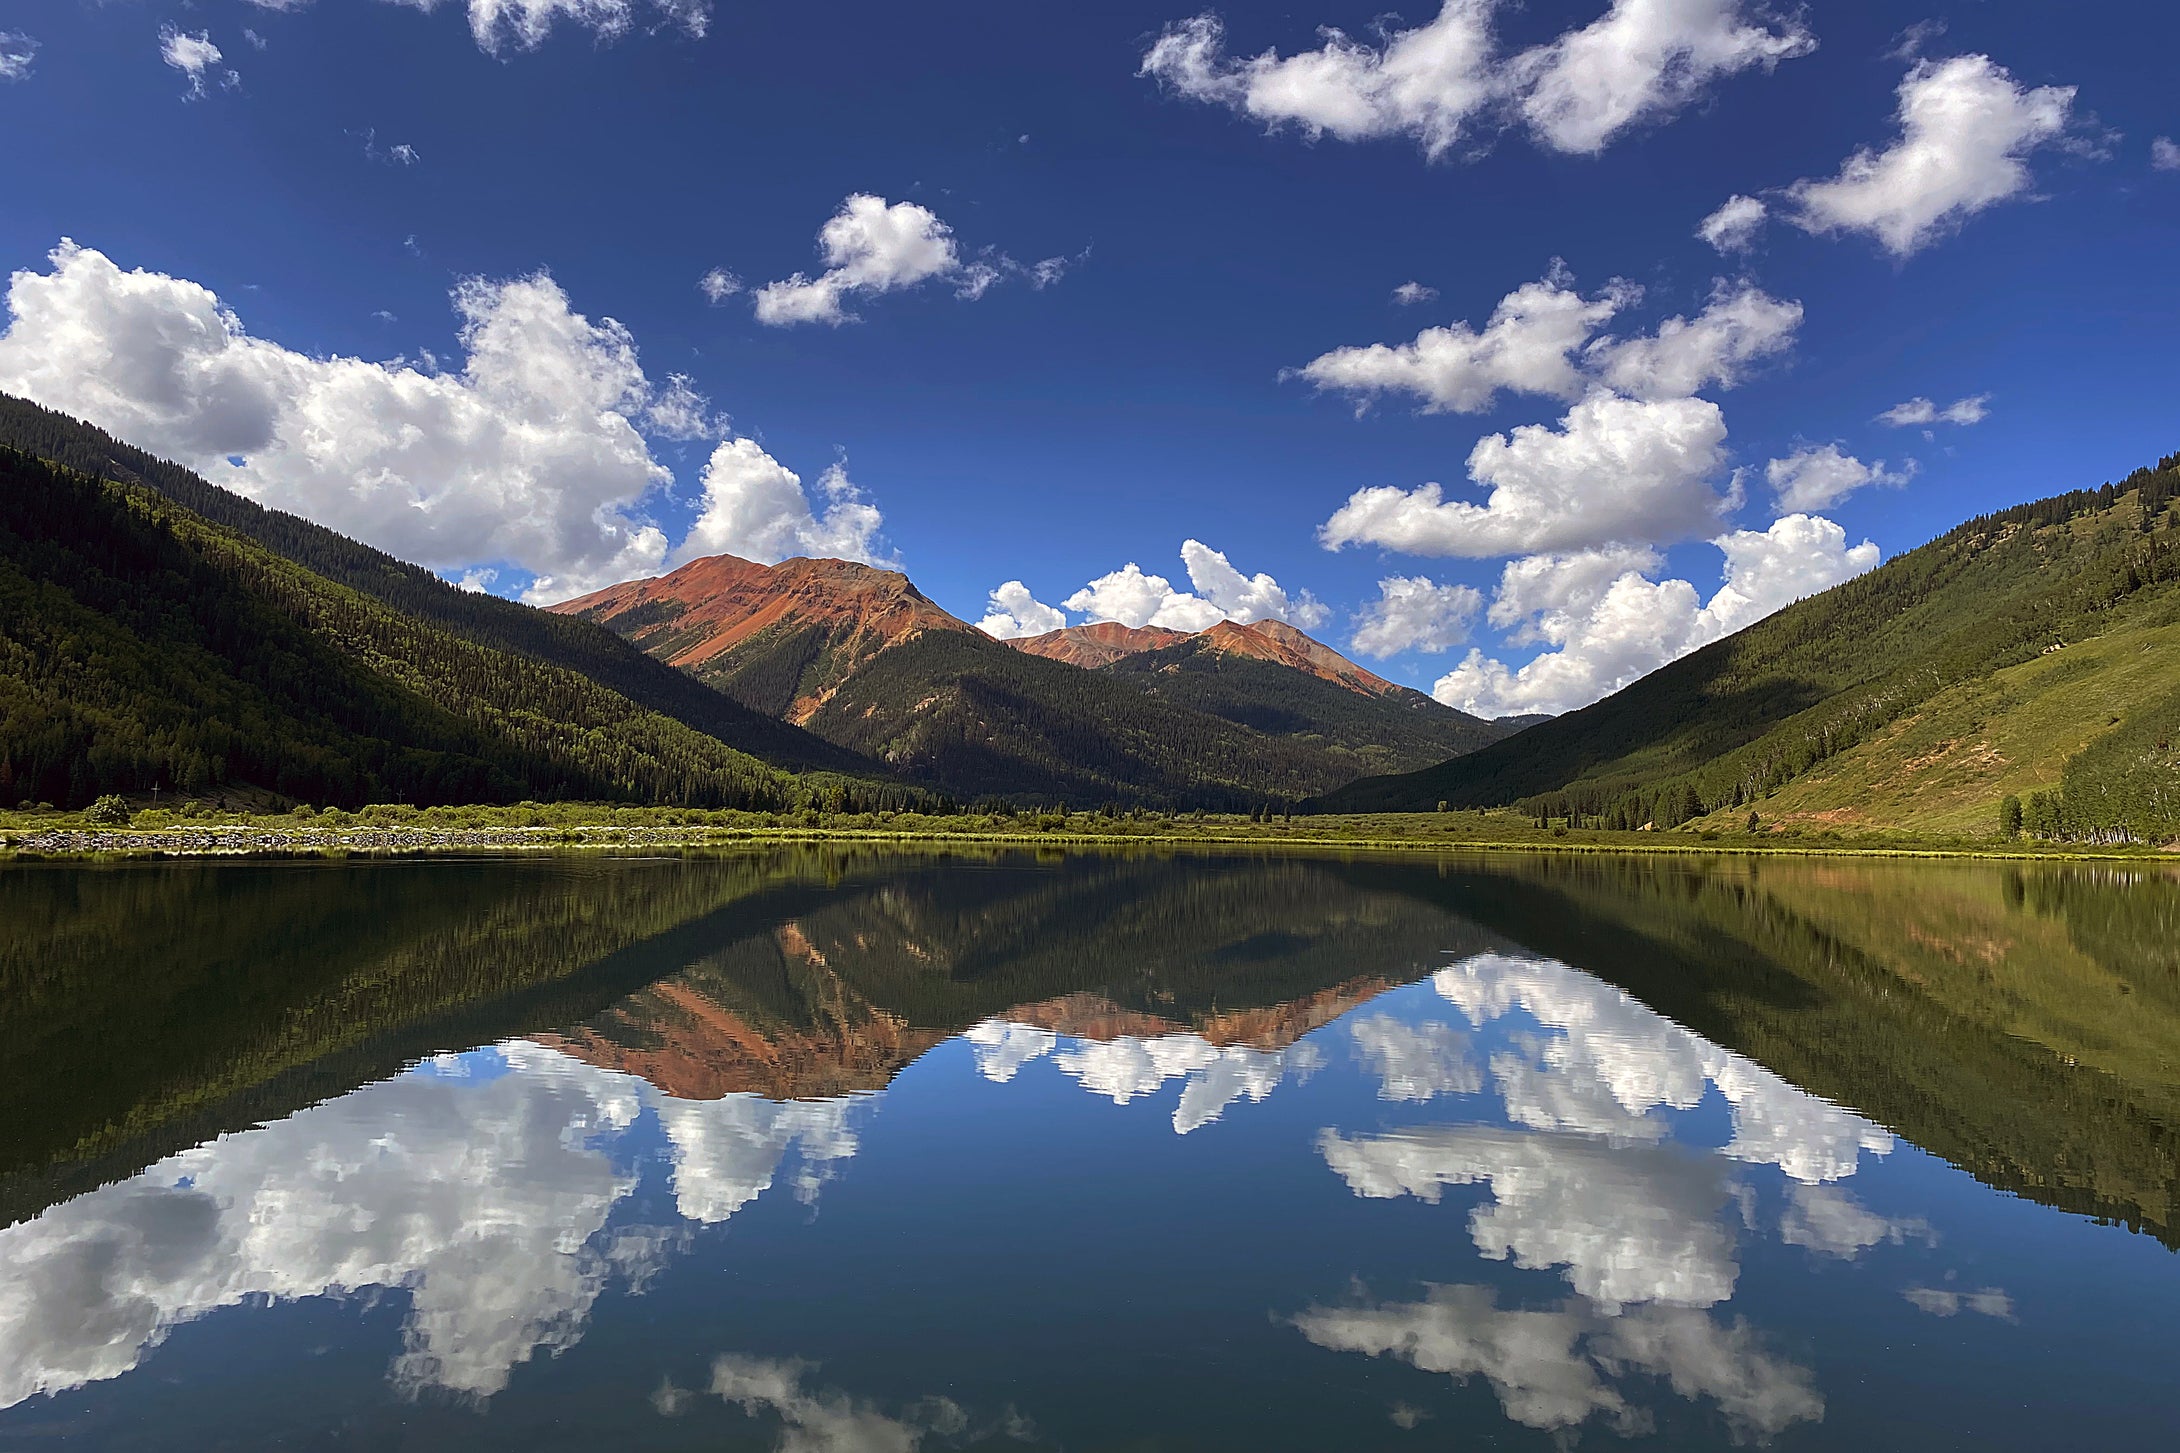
x: 849, y: 1153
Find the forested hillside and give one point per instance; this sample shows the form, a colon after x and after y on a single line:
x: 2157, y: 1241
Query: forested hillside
x: 502, y: 625
x: 1371, y: 732
x: 976, y: 718
x: 143, y: 646
x: 2034, y: 652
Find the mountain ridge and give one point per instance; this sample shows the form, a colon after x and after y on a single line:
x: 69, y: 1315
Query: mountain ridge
x: 1097, y: 643
x: 1233, y: 715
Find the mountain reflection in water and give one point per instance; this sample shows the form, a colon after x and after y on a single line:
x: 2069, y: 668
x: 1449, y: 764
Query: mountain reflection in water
x: 845, y: 1152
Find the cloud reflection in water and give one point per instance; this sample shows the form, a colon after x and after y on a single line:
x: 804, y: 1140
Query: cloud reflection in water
x: 478, y: 1183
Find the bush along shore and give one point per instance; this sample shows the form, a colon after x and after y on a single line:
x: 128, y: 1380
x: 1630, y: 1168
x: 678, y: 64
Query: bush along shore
x: 113, y: 828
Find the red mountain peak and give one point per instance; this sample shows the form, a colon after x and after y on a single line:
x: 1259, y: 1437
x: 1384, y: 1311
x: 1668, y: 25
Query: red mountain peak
x: 1278, y: 642
x: 712, y: 605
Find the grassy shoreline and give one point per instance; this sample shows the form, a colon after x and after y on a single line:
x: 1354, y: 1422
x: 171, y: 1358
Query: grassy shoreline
x: 401, y: 831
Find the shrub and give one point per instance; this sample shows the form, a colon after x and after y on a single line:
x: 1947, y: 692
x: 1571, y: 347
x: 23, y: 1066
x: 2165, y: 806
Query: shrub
x: 108, y: 811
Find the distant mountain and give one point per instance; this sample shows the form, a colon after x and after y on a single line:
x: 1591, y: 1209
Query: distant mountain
x: 2034, y: 653
x: 781, y: 639
x: 1230, y: 716
x: 1283, y: 645
x: 1272, y: 678
x: 1100, y: 643
x: 142, y: 646
x: 411, y: 590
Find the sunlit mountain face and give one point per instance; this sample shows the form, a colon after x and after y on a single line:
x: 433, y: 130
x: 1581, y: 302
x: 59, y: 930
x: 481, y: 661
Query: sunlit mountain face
x: 865, y: 1154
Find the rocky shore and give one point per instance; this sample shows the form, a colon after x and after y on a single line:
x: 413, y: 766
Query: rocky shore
x: 216, y: 841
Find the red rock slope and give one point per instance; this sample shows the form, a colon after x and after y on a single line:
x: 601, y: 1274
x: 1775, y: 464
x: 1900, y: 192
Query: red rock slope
x: 698, y: 616
x: 1282, y: 644
x: 1099, y: 643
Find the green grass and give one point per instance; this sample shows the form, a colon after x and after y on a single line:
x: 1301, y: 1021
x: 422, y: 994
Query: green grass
x: 1943, y: 769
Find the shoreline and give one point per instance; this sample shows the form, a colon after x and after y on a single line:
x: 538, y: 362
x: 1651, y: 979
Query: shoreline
x: 84, y: 844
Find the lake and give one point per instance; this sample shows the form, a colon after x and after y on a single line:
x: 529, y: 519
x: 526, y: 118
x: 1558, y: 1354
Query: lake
x: 842, y: 1152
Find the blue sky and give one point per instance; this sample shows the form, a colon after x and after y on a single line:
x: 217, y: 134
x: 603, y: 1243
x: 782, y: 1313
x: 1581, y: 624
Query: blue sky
x: 1163, y: 234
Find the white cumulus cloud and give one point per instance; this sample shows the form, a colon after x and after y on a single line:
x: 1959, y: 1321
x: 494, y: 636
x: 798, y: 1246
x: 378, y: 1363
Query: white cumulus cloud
x: 1415, y: 613
x: 1543, y: 338
x: 1733, y: 227
x: 2164, y: 151
x: 1616, y: 470
x: 1222, y: 593
x: 1528, y: 346
x: 196, y: 58
x: 1537, y: 590
x: 1447, y: 81
x: 1014, y: 612
x: 1740, y: 326
x: 1246, y: 599
x: 871, y: 247
x: 533, y: 453
x: 1967, y: 129
x: 1428, y: 83
x: 1643, y: 60
x: 1408, y: 294
x: 1604, y: 636
x: 1132, y: 598
x: 756, y: 507
x: 1818, y: 476
x: 530, y: 454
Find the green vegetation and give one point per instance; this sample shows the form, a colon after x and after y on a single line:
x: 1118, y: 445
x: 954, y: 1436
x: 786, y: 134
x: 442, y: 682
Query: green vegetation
x: 412, y: 591
x: 1367, y: 733
x: 2033, y: 650
x: 980, y: 719
x: 142, y: 647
